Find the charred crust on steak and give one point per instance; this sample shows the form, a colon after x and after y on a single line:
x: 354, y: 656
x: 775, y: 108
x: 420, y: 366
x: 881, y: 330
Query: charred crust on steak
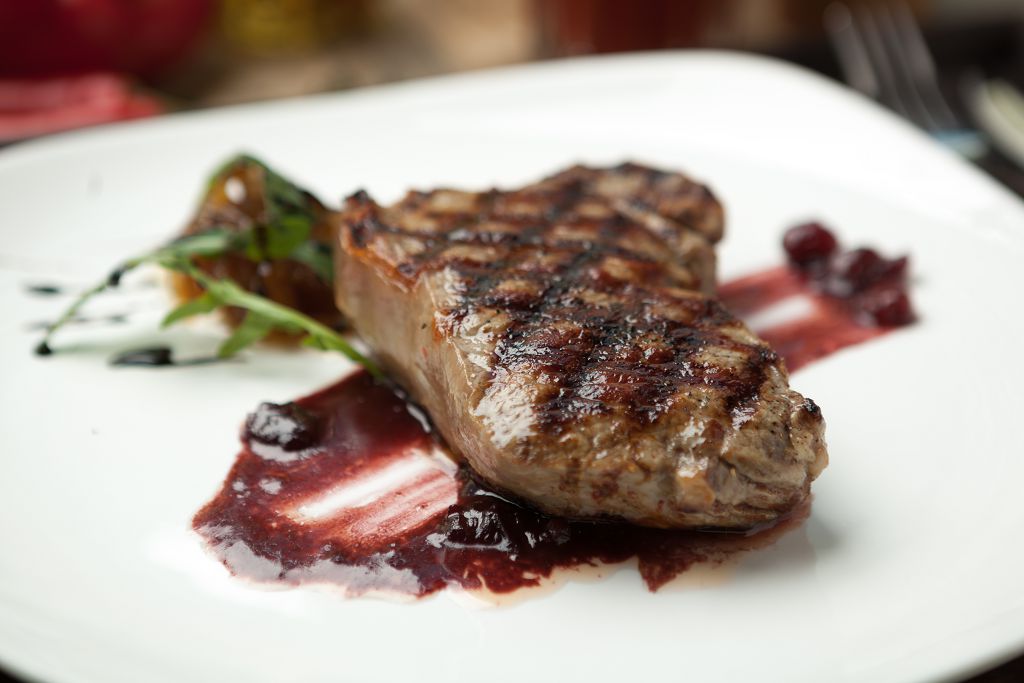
x: 583, y: 314
x: 576, y: 353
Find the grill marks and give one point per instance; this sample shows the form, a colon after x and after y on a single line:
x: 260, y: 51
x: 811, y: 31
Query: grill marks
x: 598, y: 360
x: 568, y: 346
x: 600, y: 311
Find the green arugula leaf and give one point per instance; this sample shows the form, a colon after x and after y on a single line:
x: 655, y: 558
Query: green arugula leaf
x: 229, y: 293
x: 317, y: 257
x: 289, y: 209
x: 205, y: 244
x: 209, y: 243
x: 253, y: 328
x: 291, y: 214
x: 206, y: 303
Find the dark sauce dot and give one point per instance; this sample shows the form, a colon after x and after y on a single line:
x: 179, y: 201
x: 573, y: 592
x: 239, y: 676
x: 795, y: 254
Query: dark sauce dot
x: 114, y: 279
x: 156, y: 356
x: 115, y: 319
x: 44, y: 290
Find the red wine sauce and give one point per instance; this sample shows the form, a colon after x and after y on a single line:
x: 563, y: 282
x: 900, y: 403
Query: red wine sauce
x: 828, y: 327
x: 348, y: 487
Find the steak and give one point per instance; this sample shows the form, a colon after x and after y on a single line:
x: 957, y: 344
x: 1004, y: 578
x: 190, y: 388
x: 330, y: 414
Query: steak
x: 565, y: 340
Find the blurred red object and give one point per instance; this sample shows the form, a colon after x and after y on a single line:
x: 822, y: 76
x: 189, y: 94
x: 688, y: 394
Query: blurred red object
x: 34, y: 107
x: 60, y: 37
x: 577, y: 27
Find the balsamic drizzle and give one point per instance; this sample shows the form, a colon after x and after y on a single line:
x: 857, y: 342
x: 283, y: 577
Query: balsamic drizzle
x: 156, y: 357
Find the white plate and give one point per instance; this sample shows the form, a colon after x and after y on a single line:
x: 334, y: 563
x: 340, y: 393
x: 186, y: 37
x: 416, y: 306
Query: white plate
x: 909, y: 569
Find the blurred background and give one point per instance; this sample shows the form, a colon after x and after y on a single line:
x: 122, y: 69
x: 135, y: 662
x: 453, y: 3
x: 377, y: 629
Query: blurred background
x: 953, y: 67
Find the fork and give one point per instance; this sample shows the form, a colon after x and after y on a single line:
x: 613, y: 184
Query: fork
x: 883, y: 54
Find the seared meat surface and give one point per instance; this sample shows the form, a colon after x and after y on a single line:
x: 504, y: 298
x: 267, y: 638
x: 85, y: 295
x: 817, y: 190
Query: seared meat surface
x: 565, y: 341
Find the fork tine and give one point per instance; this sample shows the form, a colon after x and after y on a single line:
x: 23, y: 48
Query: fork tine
x: 921, y: 65
x: 850, y: 50
x: 889, y: 90
x: 903, y: 75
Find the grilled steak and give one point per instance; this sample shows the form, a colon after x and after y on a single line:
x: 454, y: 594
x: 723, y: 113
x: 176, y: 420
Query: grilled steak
x: 565, y: 342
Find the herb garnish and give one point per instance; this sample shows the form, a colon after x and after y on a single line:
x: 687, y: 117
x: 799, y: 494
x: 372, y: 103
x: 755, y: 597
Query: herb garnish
x: 291, y: 214
x: 285, y: 234
x: 262, y: 317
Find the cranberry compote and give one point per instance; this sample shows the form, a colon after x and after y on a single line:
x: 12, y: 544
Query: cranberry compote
x: 852, y: 296
x: 874, y: 288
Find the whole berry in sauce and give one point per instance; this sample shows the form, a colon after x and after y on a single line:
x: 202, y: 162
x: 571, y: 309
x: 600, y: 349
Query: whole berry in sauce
x: 889, y: 307
x: 894, y: 270
x: 853, y: 271
x: 872, y: 289
x: 483, y: 522
x: 809, y: 243
x: 287, y: 425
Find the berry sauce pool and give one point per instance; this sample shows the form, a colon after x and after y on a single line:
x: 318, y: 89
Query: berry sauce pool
x: 370, y: 504
x: 348, y: 487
